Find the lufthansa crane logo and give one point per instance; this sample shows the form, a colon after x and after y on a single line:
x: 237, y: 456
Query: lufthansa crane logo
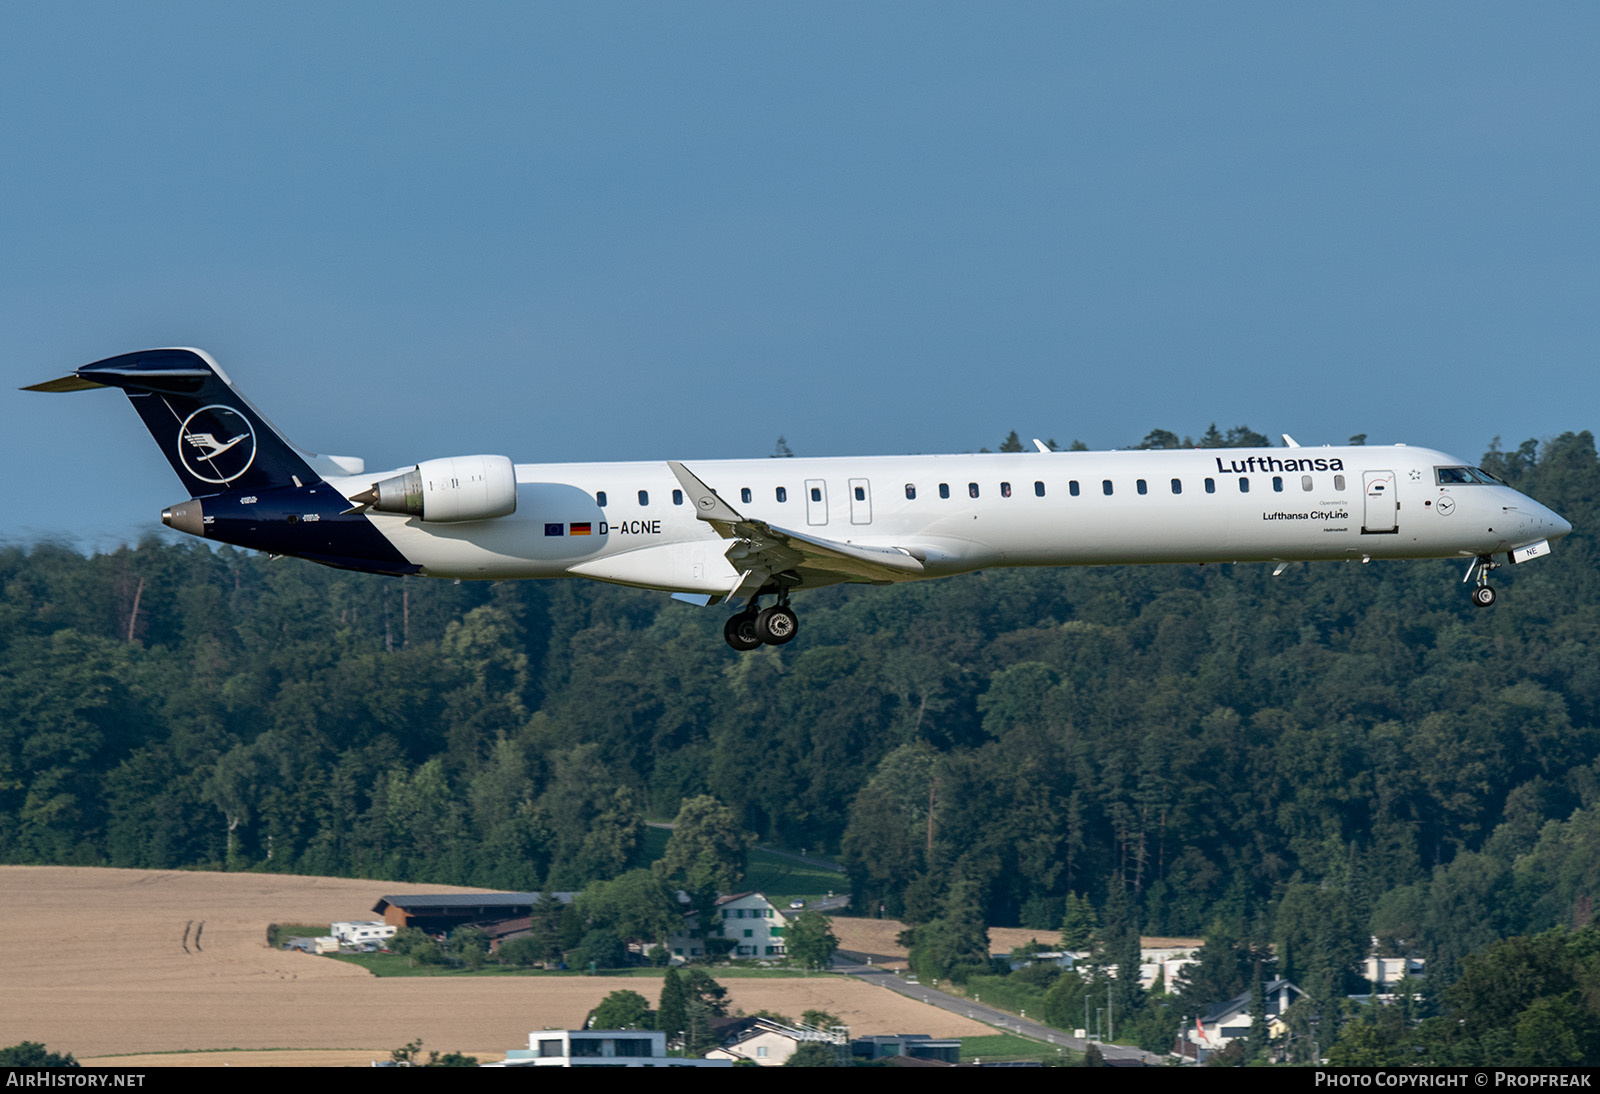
x: 216, y: 444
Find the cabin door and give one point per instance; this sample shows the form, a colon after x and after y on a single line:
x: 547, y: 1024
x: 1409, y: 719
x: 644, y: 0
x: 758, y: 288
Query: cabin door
x: 816, y: 501
x: 860, y: 502
x: 1382, y: 503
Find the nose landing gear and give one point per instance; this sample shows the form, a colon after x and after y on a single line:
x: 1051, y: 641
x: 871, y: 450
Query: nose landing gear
x: 1483, y: 594
x: 754, y: 626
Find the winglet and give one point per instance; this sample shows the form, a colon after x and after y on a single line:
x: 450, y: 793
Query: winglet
x: 1290, y: 442
x: 1041, y: 446
x: 707, y: 505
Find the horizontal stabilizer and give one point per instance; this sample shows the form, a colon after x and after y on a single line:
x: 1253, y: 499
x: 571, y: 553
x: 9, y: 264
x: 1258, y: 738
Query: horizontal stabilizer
x: 70, y: 382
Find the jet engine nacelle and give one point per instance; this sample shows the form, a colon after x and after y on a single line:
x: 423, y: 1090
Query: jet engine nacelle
x: 457, y: 488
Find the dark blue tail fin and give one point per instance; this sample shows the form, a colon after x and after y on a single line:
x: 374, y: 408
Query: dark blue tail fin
x: 214, y: 438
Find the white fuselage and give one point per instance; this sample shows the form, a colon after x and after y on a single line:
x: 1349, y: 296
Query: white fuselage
x: 629, y: 522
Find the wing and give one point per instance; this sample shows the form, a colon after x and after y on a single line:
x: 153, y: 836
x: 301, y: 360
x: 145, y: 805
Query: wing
x: 760, y: 550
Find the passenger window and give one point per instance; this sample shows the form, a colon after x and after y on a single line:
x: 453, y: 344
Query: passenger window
x: 1038, y: 489
x: 972, y: 489
x: 1305, y: 483
x: 944, y: 490
x: 644, y: 497
x: 1105, y: 487
x: 744, y: 495
x: 600, y: 498
x: 783, y: 493
x: 677, y: 497
x: 1211, y: 486
x: 1338, y: 482
x: 1277, y: 483
x: 1244, y: 485
x: 816, y: 493
x: 911, y: 492
x: 1177, y: 486
x: 1005, y: 490
x: 1142, y: 487
x: 1072, y: 487
x: 861, y: 493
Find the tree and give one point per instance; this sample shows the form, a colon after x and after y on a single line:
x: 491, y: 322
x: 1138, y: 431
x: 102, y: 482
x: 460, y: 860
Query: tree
x: 706, y: 855
x: 621, y: 1010
x: 34, y: 1054
x: 708, y: 849
x: 601, y: 949
x: 689, y: 1002
x: 413, y: 943
x: 672, y: 1018
x: 1161, y: 438
x: 636, y: 906
x: 699, y: 986
x: 1079, y: 924
x: 410, y: 1055
x: 470, y: 945
x: 810, y: 940
x: 956, y: 943
x: 812, y: 1054
x: 523, y: 952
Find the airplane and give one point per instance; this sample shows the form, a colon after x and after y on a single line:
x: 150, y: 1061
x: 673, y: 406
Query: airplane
x: 741, y: 531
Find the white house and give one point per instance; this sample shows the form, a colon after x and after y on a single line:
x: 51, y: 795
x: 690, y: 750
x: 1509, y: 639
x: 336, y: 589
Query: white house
x: 600, y: 1048
x: 1226, y: 1022
x: 1385, y: 972
x: 751, y: 925
x: 769, y: 1043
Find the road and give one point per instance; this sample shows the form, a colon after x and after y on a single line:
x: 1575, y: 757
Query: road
x: 851, y: 965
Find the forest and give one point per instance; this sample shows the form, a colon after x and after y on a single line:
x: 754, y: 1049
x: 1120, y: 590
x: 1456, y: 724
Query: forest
x: 1292, y: 764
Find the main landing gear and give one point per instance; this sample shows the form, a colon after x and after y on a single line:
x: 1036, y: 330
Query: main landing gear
x: 756, y: 626
x: 1483, y: 594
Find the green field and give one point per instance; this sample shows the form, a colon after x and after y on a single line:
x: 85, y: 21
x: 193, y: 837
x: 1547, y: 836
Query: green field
x: 781, y: 879
x: 778, y: 878
x: 1008, y: 1046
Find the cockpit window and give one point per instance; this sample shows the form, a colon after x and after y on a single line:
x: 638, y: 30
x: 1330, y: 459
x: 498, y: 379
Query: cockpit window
x: 1466, y: 476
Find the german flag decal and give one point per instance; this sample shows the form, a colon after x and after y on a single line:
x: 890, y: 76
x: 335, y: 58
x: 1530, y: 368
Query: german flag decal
x: 579, y: 529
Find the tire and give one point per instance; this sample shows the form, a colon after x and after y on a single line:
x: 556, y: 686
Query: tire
x: 777, y: 625
x: 1483, y: 596
x: 740, y: 632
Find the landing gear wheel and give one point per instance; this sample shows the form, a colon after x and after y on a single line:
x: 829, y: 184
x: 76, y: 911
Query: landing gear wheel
x: 740, y: 631
x: 777, y: 625
x: 1483, y: 596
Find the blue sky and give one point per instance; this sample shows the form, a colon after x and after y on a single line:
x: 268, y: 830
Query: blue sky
x: 651, y: 231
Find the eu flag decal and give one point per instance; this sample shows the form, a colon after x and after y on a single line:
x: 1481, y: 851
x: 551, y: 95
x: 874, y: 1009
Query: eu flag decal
x: 553, y: 529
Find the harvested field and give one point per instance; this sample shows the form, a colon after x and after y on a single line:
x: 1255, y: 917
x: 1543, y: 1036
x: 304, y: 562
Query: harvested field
x: 876, y: 937
x: 101, y: 970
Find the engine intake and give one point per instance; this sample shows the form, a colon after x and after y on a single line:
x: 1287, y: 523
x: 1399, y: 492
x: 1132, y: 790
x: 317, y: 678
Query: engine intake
x: 453, y: 489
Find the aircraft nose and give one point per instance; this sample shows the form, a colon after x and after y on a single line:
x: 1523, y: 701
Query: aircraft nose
x: 1558, y: 524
